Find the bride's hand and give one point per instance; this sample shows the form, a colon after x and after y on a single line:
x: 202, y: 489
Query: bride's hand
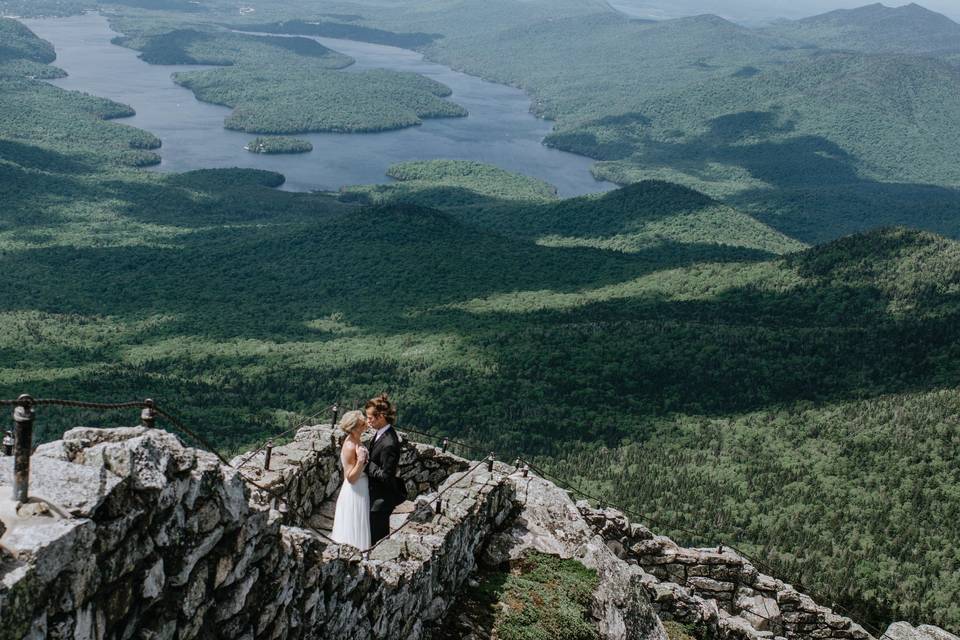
x: 363, y: 455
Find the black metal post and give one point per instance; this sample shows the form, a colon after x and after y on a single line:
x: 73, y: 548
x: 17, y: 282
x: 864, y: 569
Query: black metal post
x: 439, y: 507
x: 490, y: 463
x: 444, y: 444
x: 148, y: 415
x: 516, y: 464
x: 336, y: 413
x: 266, y: 458
x: 525, y: 470
x: 23, y: 416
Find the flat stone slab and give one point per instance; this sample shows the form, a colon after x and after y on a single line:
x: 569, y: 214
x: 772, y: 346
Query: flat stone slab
x: 906, y: 631
x: 76, y: 489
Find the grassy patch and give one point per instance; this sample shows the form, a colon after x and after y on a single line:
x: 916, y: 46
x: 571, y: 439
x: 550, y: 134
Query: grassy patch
x: 541, y: 597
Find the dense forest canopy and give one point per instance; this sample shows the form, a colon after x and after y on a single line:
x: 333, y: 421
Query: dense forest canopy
x: 728, y: 343
x: 278, y: 144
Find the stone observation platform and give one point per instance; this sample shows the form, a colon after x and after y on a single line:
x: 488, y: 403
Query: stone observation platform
x: 130, y: 534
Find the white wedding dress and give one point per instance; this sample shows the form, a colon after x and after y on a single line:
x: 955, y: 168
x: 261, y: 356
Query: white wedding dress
x: 351, y: 521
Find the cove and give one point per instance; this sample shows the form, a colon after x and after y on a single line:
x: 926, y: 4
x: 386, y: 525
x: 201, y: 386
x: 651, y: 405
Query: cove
x: 500, y: 129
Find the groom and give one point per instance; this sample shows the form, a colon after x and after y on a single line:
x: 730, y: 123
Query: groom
x: 385, y: 491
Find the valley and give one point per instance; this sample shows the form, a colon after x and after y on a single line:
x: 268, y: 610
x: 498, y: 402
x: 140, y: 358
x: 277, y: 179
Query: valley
x: 753, y: 338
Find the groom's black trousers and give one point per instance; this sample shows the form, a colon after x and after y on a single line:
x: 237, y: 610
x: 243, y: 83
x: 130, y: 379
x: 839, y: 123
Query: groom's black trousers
x: 379, y: 525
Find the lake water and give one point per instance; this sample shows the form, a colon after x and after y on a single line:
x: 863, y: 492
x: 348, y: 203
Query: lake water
x: 500, y: 129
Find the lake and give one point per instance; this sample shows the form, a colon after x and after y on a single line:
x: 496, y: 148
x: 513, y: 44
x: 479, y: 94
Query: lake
x: 500, y: 129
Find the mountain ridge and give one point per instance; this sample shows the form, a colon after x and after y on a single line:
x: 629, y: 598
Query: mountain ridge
x: 876, y: 28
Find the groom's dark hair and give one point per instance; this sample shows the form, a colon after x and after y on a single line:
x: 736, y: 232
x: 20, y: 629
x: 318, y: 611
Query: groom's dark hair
x: 381, y: 404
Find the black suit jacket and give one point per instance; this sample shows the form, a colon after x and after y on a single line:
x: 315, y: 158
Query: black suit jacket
x: 385, y: 489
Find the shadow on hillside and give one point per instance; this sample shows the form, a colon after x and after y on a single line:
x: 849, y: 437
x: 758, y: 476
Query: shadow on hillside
x: 417, y: 259
x: 543, y: 375
x: 31, y: 156
x: 740, y: 351
x: 624, y: 211
x: 30, y: 200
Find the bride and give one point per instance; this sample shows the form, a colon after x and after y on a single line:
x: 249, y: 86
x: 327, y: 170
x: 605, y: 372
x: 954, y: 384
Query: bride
x: 351, y: 522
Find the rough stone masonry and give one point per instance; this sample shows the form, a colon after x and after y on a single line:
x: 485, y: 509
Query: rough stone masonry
x: 130, y: 534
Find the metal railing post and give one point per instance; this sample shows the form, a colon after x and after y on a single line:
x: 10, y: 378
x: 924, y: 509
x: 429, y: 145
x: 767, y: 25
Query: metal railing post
x: 336, y: 414
x: 23, y: 416
x: 148, y: 415
x: 266, y: 458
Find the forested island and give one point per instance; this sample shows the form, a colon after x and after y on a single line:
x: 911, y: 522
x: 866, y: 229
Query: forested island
x: 279, y: 144
x: 287, y: 85
x: 756, y: 339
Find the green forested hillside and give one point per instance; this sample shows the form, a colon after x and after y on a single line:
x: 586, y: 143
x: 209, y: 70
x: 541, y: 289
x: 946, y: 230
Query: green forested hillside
x: 876, y: 28
x: 334, y: 29
x: 18, y: 42
x: 632, y: 219
x: 817, y: 143
x: 715, y: 372
x: 191, y: 46
x: 857, y: 500
x: 24, y: 55
x: 43, y: 8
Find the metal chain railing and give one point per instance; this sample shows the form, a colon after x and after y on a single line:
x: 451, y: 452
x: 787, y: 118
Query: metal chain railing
x: 435, y: 501
x: 24, y: 416
x: 335, y: 407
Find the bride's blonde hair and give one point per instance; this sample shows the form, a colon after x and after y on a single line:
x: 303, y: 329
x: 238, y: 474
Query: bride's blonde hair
x: 351, y: 420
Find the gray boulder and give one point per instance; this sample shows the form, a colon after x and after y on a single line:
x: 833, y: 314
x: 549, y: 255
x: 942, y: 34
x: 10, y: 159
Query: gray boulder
x: 549, y: 522
x: 906, y: 631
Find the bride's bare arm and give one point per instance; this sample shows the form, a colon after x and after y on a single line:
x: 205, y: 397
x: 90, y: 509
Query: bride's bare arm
x: 356, y: 467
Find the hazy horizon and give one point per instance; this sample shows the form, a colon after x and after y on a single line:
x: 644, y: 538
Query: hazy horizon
x: 762, y: 11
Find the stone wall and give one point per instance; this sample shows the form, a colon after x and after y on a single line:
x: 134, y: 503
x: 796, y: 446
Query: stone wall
x: 133, y: 535
x: 129, y: 534
x: 717, y: 587
x: 307, y: 473
x: 548, y: 521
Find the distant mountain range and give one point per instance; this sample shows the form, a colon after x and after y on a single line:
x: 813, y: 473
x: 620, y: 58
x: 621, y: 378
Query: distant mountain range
x: 876, y: 28
x: 754, y: 12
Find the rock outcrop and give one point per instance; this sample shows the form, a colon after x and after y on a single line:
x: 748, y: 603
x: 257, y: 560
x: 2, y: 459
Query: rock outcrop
x: 147, y: 538
x: 550, y: 522
x: 140, y: 537
x: 906, y: 631
x: 130, y: 534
